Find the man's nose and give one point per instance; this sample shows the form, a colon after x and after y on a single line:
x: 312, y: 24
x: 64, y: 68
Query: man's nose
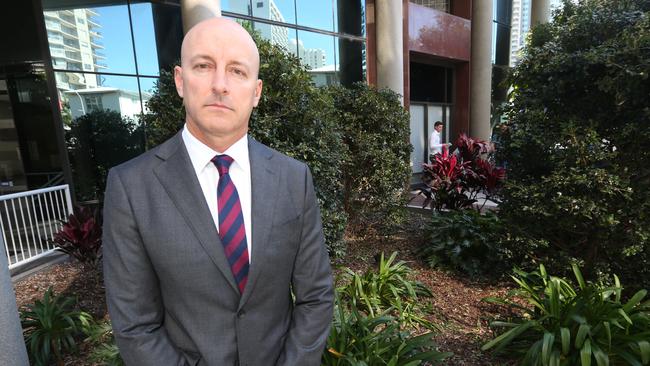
x: 220, y: 82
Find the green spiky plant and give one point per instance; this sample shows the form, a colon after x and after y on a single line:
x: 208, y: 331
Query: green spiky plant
x: 565, y: 325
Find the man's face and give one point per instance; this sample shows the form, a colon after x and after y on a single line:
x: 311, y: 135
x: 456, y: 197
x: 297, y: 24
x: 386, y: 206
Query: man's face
x: 438, y: 128
x: 217, y: 79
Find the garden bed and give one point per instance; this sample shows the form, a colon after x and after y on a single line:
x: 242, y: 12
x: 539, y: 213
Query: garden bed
x: 456, y: 303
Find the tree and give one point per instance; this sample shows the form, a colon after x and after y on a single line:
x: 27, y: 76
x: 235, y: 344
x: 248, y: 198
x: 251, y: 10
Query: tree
x: 577, y: 140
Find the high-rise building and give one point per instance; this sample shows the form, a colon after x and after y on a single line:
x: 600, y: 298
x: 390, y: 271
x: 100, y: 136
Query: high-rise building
x: 520, y: 26
x: 75, y: 43
x: 313, y: 58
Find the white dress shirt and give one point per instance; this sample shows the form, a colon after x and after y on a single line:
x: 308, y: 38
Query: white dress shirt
x: 435, y: 143
x: 208, y: 175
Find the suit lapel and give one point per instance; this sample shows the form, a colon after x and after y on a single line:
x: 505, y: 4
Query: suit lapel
x: 264, y: 185
x: 181, y: 184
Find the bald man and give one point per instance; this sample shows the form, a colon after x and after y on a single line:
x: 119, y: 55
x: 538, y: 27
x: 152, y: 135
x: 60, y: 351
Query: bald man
x: 213, y: 246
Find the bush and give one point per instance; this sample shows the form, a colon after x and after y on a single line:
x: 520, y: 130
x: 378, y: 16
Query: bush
x: 81, y: 236
x: 565, y: 325
x: 296, y: 118
x: 358, y: 339
x: 577, y: 142
x: 373, y: 316
x: 375, y: 171
x: 98, y: 141
x: 463, y: 240
x: 387, y: 289
x: 453, y: 181
x: 50, y: 327
x: 105, y: 351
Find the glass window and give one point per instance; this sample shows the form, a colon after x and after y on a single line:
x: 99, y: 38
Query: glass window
x: 102, y: 128
x: 236, y: 6
x: 105, y: 35
x: 315, y: 14
x: 315, y: 50
x: 145, y: 39
x: 278, y: 35
x: 351, y: 60
x: 279, y: 10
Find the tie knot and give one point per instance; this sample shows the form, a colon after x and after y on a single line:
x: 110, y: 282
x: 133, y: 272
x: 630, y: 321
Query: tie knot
x: 222, y: 163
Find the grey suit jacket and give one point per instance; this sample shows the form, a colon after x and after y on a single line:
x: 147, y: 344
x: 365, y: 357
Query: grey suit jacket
x: 170, y: 292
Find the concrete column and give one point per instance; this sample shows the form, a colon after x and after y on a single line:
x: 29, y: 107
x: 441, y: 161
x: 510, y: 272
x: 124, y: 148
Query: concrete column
x: 390, y: 51
x: 540, y: 12
x: 194, y: 11
x: 12, y: 345
x: 481, y: 70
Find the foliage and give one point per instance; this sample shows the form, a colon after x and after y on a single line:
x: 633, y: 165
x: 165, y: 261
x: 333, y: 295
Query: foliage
x: 373, y: 319
x: 50, y: 327
x: 375, y: 170
x: 357, y: 339
x: 565, y: 325
x: 387, y: 289
x: 453, y: 181
x: 166, y: 111
x: 297, y: 118
x: 463, y: 240
x: 577, y: 141
x: 105, y: 350
x: 97, y: 141
x: 81, y: 236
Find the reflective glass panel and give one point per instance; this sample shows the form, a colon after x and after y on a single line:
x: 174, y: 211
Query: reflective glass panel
x: 278, y: 35
x: 316, y: 51
x: 145, y: 39
x: 349, y: 17
x: 102, y: 129
x: 315, y: 14
x: 279, y: 10
x: 90, y: 39
x: 237, y: 6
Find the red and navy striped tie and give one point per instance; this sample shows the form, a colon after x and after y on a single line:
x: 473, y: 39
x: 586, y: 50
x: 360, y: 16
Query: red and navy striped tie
x: 231, y: 222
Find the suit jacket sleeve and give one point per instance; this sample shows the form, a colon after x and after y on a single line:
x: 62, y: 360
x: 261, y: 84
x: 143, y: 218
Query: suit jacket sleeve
x: 313, y: 289
x: 132, y: 292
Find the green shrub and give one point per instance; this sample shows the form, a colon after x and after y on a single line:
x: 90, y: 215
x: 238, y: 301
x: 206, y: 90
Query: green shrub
x: 577, y: 142
x: 463, y: 240
x: 50, y: 327
x: 565, y: 325
x: 375, y: 171
x: 387, y: 288
x: 296, y: 118
x: 358, y: 339
x: 105, y: 351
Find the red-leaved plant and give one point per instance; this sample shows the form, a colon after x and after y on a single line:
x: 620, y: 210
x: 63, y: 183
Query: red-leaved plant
x: 81, y: 236
x: 454, y: 180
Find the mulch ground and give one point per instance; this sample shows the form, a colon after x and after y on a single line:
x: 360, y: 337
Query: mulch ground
x: 456, y: 303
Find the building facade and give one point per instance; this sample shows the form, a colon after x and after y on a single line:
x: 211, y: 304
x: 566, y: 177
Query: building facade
x: 80, y: 56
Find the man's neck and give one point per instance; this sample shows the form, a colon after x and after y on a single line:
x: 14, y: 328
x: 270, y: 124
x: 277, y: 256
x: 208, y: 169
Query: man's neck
x: 216, y: 143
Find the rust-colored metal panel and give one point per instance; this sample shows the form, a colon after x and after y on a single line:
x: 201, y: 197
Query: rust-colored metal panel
x: 438, y: 34
x: 406, y: 58
x: 462, y: 8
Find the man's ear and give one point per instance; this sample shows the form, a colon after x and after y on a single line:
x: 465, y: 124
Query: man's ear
x: 258, y: 93
x: 178, y: 80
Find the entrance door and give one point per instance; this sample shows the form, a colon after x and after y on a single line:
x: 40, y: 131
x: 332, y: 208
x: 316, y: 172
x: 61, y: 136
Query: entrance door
x: 423, y: 116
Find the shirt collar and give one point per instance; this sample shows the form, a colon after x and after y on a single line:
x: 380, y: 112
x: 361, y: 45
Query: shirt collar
x: 201, y: 155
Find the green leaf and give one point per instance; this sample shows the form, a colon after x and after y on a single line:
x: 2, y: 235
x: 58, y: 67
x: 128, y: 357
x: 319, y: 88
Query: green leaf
x: 565, y: 335
x: 547, y: 347
x: 635, y: 300
x: 644, y: 348
x: 585, y: 354
x: 583, y: 331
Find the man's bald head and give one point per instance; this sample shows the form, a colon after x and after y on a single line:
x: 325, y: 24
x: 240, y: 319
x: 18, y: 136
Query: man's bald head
x: 218, y: 81
x: 220, y: 30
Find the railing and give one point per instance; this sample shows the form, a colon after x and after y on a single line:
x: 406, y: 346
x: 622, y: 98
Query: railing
x: 29, y: 220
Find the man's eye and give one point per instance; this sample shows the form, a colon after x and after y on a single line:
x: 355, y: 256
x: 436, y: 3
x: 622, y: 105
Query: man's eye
x: 238, y: 72
x: 202, y: 66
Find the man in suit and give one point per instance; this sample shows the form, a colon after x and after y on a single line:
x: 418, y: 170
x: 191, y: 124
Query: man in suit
x: 213, y: 246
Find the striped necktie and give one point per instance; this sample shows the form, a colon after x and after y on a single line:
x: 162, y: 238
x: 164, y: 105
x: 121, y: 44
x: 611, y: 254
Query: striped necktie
x: 231, y: 222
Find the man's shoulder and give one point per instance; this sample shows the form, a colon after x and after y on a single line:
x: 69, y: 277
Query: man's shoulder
x: 276, y: 157
x: 150, y: 158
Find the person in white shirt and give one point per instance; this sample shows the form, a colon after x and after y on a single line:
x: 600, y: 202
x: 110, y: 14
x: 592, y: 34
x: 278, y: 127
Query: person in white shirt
x: 435, y: 141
